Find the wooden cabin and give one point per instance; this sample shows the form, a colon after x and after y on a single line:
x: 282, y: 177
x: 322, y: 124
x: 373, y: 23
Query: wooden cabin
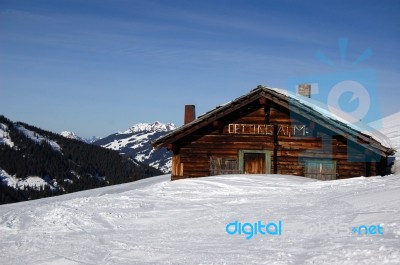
x: 268, y: 131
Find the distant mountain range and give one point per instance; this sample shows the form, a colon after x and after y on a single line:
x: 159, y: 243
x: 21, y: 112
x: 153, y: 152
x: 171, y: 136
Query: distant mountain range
x: 72, y: 135
x: 135, y: 142
x: 35, y: 163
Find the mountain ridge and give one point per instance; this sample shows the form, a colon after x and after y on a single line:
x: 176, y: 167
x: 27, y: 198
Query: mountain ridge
x: 72, y: 135
x: 155, y: 126
x: 35, y: 163
x: 136, y: 143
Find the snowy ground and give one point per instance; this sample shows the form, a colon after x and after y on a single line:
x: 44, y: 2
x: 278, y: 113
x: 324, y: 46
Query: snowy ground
x: 155, y: 221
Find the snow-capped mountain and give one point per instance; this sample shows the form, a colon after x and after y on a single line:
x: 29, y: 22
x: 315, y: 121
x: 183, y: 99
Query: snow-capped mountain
x: 153, y: 127
x: 72, y: 135
x: 135, y: 142
x: 91, y: 140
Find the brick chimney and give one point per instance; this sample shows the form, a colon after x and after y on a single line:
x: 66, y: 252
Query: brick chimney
x: 304, y: 90
x: 190, y: 113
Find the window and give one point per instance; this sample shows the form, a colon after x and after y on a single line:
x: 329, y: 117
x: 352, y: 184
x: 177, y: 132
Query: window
x: 320, y: 169
x: 222, y: 166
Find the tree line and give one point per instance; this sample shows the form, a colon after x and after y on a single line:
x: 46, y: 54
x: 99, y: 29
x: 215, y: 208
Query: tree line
x: 78, y: 166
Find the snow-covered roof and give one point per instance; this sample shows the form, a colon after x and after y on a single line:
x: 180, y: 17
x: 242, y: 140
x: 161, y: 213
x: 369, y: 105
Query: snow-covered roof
x: 347, y: 121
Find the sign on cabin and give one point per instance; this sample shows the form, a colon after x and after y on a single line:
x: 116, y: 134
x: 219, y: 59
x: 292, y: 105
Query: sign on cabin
x: 268, y: 129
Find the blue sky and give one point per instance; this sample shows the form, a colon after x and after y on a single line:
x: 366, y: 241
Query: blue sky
x: 96, y: 67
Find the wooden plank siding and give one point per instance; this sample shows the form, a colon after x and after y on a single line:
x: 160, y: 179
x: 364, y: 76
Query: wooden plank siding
x: 192, y: 153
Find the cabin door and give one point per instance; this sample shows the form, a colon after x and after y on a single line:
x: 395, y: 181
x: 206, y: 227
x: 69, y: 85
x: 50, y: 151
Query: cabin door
x: 255, y: 161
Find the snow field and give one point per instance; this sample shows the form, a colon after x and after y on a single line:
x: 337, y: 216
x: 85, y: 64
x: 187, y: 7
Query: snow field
x: 155, y: 221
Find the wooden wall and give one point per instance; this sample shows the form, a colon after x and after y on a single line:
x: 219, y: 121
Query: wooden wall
x: 192, y: 159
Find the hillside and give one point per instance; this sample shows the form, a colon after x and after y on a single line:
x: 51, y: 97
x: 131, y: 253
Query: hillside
x: 156, y: 221
x: 35, y: 163
x: 135, y: 142
x: 390, y: 126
